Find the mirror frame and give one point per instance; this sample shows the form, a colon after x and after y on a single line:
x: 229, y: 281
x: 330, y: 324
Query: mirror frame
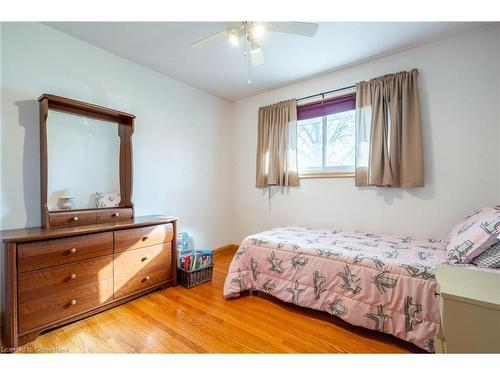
x: 125, y: 123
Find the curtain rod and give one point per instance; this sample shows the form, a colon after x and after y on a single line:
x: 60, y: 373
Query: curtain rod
x: 326, y: 92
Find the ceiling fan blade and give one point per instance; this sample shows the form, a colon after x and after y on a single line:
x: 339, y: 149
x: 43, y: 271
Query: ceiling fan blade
x: 297, y: 28
x: 219, y: 35
x: 257, y: 56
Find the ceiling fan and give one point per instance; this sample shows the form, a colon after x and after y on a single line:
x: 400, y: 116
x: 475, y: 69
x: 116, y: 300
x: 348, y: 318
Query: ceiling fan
x: 248, y: 34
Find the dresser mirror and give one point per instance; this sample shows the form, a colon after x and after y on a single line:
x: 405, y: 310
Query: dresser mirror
x: 86, y: 162
x: 83, y: 162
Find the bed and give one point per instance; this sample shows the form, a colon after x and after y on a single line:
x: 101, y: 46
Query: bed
x: 380, y: 282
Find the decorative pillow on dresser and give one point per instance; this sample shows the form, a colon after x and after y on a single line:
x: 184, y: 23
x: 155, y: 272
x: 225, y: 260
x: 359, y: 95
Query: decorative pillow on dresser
x: 474, y: 235
x: 111, y: 199
x: 490, y: 258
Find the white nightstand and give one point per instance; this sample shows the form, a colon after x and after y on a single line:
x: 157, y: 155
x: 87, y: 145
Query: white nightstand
x: 470, y: 310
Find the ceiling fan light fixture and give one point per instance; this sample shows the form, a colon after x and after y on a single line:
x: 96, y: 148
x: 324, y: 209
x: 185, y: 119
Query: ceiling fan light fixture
x: 250, y: 34
x: 254, y: 46
x: 255, y: 50
x: 258, y: 30
x: 234, y: 40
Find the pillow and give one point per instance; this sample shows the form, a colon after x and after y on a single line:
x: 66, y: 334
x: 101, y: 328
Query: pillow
x: 474, y: 235
x: 490, y: 258
x: 111, y: 199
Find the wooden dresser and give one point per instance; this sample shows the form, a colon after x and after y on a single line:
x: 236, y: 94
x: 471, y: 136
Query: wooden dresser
x: 54, y: 276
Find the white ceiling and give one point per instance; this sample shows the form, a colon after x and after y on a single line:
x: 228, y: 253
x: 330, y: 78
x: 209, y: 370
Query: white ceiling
x: 222, y: 70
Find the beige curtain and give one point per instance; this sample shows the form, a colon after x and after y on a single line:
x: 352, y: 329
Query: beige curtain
x: 389, y: 132
x: 277, y: 145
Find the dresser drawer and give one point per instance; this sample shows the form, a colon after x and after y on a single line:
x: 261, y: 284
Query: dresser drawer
x: 130, y: 239
x: 68, y: 219
x: 54, y: 280
x: 114, y: 214
x: 64, y: 304
x: 41, y: 254
x: 142, y: 268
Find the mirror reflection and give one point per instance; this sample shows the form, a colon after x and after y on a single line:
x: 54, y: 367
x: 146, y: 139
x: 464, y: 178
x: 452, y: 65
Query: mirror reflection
x: 83, y: 162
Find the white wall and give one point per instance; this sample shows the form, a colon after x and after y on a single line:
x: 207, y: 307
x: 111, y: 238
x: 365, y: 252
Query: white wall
x: 181, y: 142
x: 459, y: 89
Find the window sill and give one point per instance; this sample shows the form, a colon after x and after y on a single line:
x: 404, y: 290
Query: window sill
x: 327, y: 175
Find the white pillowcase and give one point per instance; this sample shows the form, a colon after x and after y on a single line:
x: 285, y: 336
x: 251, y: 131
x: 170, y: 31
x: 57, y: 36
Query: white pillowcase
x: 474, y: 235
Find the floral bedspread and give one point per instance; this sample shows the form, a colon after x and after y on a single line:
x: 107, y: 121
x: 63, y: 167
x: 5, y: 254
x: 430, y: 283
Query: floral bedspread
x: 377, y: 281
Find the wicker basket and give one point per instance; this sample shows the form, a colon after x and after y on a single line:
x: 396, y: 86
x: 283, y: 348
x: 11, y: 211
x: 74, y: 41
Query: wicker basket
x: 194, y: 278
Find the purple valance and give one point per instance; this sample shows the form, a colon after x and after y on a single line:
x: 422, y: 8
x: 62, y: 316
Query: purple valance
x: 327, y: 107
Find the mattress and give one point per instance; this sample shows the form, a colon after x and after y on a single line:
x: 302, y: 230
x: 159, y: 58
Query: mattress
x: 381, y: 282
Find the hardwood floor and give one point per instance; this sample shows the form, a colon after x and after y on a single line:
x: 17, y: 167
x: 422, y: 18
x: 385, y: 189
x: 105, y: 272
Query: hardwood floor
x: 199, y: 320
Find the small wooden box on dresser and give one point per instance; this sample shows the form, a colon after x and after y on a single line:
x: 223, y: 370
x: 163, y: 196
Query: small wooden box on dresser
x: 57, y: 275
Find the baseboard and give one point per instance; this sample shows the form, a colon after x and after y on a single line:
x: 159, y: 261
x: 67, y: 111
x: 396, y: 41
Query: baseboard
x: 228, y: 249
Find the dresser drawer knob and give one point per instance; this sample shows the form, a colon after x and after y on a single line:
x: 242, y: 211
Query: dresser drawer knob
x: 147, y: 278
x: 115, y: 214
x: 72, y: 276
x: 75, y: 218
x: 145, y: 238
x: 144, y: 259
x: 72, y: 302
x: 72, y: 250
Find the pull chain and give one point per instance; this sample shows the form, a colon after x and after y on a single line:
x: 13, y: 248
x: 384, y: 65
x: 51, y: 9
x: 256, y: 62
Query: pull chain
x: 249, y: 67
x: 246, y: 53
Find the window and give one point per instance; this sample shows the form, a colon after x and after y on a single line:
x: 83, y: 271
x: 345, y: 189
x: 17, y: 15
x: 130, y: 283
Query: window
x: 325, y: 143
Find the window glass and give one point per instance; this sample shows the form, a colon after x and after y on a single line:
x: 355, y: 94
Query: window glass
x: 326, y: 144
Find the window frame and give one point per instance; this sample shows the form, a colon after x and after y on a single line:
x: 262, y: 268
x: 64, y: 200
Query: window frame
x: 324, y: 172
